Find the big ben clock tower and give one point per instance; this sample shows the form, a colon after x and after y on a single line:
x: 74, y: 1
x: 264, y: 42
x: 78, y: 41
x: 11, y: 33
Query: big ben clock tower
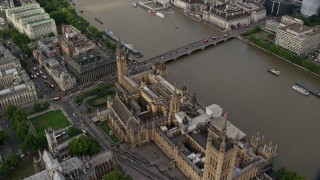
x: 121, y: 62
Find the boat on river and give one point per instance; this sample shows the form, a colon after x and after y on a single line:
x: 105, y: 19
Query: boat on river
x: 300, y: 90
x: 274, y: 72
x: 134, y: 4
x: 311, y: 90
x: 98, y: 20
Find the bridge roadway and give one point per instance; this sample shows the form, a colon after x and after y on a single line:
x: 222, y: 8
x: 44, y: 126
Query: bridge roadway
x: 188, y: 49
x: 137, y: 67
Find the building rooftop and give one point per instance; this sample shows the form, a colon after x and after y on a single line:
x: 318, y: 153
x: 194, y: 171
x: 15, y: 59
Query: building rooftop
x: 228, y: 12
x: 13, y: 89
x: 232, y: 130
x: 39, y: 176
x: 6, y: 56
x: 301, y: 30
x: 89, y: 61
x: 71, y: 164
x: 42, y: 21
x: 199, y: 138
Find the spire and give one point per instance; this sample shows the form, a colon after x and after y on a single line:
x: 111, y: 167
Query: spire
x: 223, y: 146
x: 224, y: 130
x: 119, y: 42
x: 237, y: 138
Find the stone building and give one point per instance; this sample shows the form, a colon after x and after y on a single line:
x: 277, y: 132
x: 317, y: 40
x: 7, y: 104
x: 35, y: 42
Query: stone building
x: 31, y: 20
x: 7, y: 60
x: 298, y: 38
x: 198, y: 140
x: 73, y: 43
x: 227, y: 16
x: 192, y: 6
x: 84, y: 168
x: 257, y: 10
x: 15, y: 86
x: 57, y: 164
x: 47, y: 54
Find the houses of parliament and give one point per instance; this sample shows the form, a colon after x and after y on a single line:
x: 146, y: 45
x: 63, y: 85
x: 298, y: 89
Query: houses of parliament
x: 199, y: 140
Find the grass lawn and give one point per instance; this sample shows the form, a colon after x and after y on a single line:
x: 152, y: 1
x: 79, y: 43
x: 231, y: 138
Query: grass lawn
x: 54, y: 119
x: 24, y: 169
x: 106, y: 128
x: 100, y: 101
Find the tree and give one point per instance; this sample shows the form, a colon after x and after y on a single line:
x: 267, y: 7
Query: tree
x: 72, y: 131
x: 84, y: 145
x: 284, y: 174
x: 3, y: 137
x: 10, y: 111
x: 37, y: 107
x: 9, y: 163
x: 32, y: 143
x: 116, y: 175
x: 89, y: 110
x: 58, y: 16
x: 45, y: 105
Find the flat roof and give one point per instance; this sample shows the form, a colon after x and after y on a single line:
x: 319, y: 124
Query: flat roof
x: 232, y: 130
x: 299, y: 28
x: 43, y: 21
x: 12, y: 89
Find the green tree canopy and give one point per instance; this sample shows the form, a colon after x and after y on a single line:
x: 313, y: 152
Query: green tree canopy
x: 37, y: 107
x: 10, y: 110
x: 9, y: 163
x: 45, y: 105
x: 84, y: 145
x: 3, y: 137
x: 72, y: 131
x: 284, y: 174
x: 116, y: 175
x: 32, y: 143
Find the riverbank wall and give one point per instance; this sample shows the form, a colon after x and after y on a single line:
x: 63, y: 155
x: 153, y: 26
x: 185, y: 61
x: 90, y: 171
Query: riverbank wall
x: 245, y: 40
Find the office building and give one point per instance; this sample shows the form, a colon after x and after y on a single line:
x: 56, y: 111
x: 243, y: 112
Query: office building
x: 280, y: 7
x: 298, y: 38
x: 310, y: 7
x: 73, y: 43
x: 15, y: 86
x: 31, y: 20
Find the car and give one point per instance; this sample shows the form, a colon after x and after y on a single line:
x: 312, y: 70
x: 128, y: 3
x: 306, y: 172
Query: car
x: 247, y: 25
x: 206, y: 40
x: 38, y: 74
x: 213, y: 38
x: 51, y: 86
x: 226, y: 35
x: 84, y: 131
x: 44, y: 77
x: 31, y: 77
x: 74, y: 114
x: 34, y: 68
x: 58, y: 136
x: 56, y: 98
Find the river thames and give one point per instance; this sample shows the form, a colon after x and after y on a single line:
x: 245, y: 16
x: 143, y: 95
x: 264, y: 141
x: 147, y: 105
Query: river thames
x: 232, y: 74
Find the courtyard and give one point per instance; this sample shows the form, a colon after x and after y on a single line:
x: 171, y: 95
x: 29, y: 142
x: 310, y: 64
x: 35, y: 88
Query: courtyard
x: 54, y: 119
